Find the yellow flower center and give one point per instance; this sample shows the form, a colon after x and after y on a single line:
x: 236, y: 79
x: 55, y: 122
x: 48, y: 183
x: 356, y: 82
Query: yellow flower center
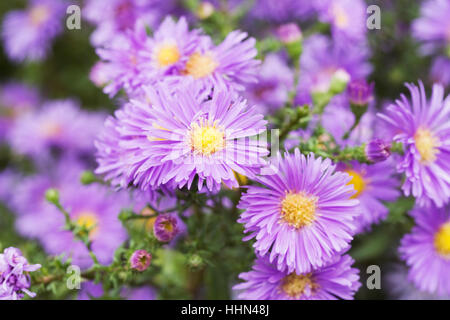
x: 358, y: 183
x: 167, y: 55
x: 442, y: 240
x: 340, y: 17
x: 298, y: 210
x: 206, y: 139
x: 89, y: 221
x: 294, y: 285
x: 200, y: 66
x: 39, y: 14
x: 426, y: 144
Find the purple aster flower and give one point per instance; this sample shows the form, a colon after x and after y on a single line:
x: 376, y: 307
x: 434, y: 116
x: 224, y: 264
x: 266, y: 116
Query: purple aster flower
x: 231, y: 64
x: 14, y: 277
x: 302, y: 215
x: 322, y: 59
x: 139, y: 59
x: 165, y: 227
x: 90, y: 290
x: 335, y: 280
x: 275, y: 79
x: 440, y: 71
x: 423, y: 127
x: 114, y: 18
x: 281, y: 10
x: 27, y: 34
x: 16, y: 99
x: 140, y: 260
x: 373, y: 184
x: 433, y: 26
x: 211, y: 140
x: 426, y: 250
x: 347, y: 18
x: 59, y: 125
x: 377, y: 150
x: 401, y: 288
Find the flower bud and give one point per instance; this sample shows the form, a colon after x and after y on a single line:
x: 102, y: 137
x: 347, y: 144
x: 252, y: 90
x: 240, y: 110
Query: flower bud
x: 205, y: 10
x: 289, y: 33
x: 165, y: 227
x: 377, y: 150
x: 140, y: 260
x: 52, y: 196
x: 360, y: 93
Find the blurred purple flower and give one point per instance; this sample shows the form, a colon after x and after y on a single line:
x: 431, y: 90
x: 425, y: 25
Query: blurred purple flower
x: 27, y: 34
x: 426, y: 250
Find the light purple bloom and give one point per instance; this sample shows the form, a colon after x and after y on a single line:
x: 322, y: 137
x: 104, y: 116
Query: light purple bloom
x: 16, y: 100
x: 114, y: 18
x: 433, y: 26
x: 322, y: 59
x: 27, y: 34
x: 426, y: 250
x: 281, y: 10
x: 302, y: 215
x: 289, y: 33
x: 14, y: 277
x: 275, y: 79
x: 347, y: 18
x: 59, y: 125
x: 423, y: 127
x: 335, y: 280
x: 180, y: 136
x: 440, y: 70
x: 140, y: 260
x: 360, y: 93
x: 373, y: 184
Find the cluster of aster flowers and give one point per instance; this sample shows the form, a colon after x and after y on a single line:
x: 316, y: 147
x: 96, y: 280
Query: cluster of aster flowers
x: 115, y: 194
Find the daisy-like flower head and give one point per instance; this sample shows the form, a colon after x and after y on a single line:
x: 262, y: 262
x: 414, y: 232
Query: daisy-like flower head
x: 424, y: 129
x: 171, y: 46
x: 302, y: 215
x: 113, y: 18
x: 373, y: 184
x: 347, y: 18
x: 426, y: 250
x: 27, y: 34
x: 140, y: 260
x: 182, y: 135
x: 433, y: 25
x: 335, y: 280
x: 231, y: 64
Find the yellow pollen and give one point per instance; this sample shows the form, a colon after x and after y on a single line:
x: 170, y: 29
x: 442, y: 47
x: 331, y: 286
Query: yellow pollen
x: 167, y: 55
x: 294, y: 285
x: 206, y: 139
x: 442, y: 240
x: 341, y: 18
x: 200, y: 66
x: 39, y: 14
x: 358, y: 183
x: 298, y: 210
x: 89, y: 221
x: 426, y: 144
